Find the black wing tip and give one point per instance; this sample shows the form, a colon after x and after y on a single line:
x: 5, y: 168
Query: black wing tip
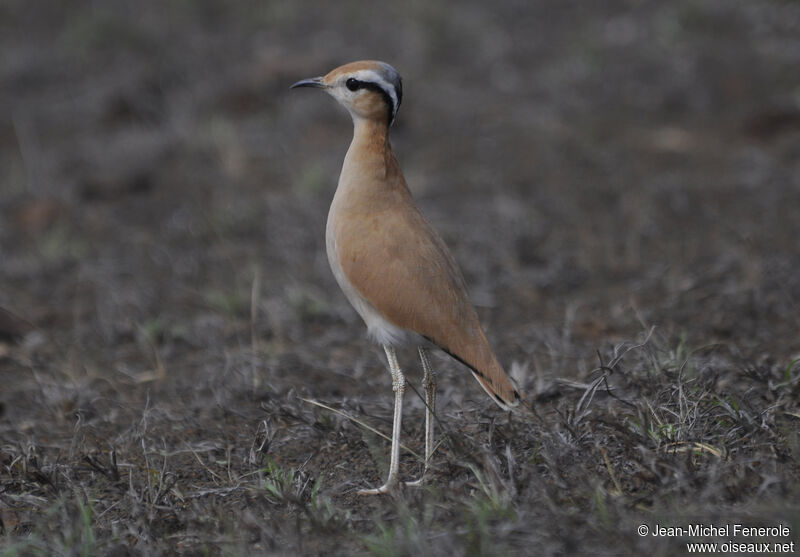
x: 500, y: 400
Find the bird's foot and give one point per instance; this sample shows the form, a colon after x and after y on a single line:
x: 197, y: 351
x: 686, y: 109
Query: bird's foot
x: 385, y: 488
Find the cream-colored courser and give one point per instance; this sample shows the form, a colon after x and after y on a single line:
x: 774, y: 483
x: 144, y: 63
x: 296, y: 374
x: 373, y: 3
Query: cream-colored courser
x: 391, y: 264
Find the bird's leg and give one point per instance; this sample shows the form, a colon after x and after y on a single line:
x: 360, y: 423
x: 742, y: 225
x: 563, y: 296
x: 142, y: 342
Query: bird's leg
x: 429, y: 382
x: 399, y: 387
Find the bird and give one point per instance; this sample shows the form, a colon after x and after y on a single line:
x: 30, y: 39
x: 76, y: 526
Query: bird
x: 391, y: 264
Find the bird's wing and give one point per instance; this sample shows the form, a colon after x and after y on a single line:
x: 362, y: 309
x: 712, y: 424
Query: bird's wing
x: 397, y: 262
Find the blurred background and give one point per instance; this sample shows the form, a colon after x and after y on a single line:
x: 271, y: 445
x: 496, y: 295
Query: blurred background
x: 594, y: 159
x: 597, y: 168
x: 619, y: 162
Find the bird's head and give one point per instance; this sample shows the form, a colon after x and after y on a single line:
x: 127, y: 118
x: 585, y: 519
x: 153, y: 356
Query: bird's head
x: 368, y: 89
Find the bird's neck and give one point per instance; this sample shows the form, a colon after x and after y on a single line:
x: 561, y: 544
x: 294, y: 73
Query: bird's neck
x: 370, y: 136
x: 369, y: 159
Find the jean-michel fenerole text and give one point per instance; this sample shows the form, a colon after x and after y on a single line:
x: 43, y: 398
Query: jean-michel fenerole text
x: 723, y: 531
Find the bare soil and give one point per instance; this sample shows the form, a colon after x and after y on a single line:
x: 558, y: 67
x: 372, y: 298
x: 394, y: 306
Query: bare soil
x: 620, y: 182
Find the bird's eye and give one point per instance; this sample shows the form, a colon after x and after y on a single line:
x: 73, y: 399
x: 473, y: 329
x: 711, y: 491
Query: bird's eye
x: 352, y: 84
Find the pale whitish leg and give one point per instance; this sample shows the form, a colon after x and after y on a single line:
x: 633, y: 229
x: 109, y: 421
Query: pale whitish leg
x: 429, y: 382
x: 399, y: 387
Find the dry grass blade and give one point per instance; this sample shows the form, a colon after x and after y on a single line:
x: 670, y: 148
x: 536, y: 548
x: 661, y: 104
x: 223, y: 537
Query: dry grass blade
x: 358, y: 422
x: 694, y: 446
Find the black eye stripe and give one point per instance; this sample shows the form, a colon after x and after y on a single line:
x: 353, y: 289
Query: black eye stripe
x: 354, y: 84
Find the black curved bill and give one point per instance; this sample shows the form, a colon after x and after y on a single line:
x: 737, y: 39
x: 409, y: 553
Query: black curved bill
x: 312, y: 82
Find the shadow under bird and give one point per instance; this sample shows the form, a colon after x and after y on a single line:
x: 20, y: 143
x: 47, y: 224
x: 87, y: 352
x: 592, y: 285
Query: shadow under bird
x: 392, y: 265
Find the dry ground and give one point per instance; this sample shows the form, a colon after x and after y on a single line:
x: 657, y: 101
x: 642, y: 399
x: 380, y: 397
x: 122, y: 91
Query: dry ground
x: 620, y: 182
